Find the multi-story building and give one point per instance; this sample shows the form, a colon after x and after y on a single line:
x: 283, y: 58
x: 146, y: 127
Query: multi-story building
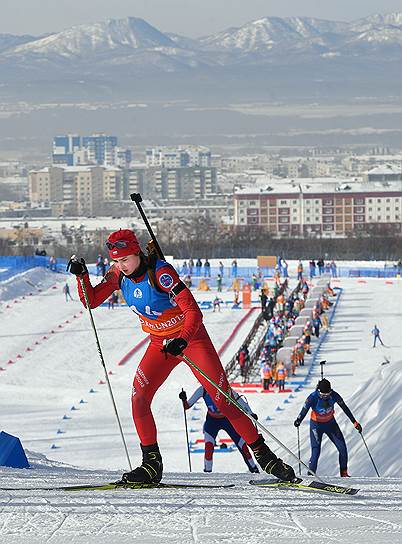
x: 64, y: 148
x: 75, y: 190
x: 181, y: 157
x: 46, y: 185
x: 98, y: 149
x: 101, y: 148
x: 330, y: 209
x: 185, y: 183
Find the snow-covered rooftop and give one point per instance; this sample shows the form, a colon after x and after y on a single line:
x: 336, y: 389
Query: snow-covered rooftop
x: 320, y: 185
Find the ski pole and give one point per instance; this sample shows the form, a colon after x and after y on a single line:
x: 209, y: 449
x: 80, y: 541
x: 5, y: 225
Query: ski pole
x: 239, y: 407
x: 84, y: 290
x: 298, y: 448
x: 188, y: 445
x: 322, y: 363
x: 136, y: 197
x: 368, y: 451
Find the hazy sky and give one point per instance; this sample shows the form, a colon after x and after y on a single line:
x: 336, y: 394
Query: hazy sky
x: 188, y: 17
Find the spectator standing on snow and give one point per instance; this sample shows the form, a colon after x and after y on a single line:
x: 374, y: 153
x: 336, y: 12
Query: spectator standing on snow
x: 190, y: 266
x: 376, y: 333
x: 198, y: 266
x: 221, y: 268
x: 207, y: 269
x: 234, y: 268
x: 266, y: 376
x: 320, y: 264
x: 219, y: 283
x: 312, y: 267
x: 300, y: 271
x: 280, y: 376
x: 316, y: 325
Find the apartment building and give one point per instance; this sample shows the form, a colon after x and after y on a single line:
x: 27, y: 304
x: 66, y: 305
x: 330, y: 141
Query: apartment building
x: 75, y: 190
x: 181, y: 157
x: 331, y: 209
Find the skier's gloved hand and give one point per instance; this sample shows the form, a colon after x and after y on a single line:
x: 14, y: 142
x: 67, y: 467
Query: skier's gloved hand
x: 174, y: 346
x: 77, y: 266
x: 254, y: 416
x: 358, y: 427
x: 183, y: 396
x: 297, y: 422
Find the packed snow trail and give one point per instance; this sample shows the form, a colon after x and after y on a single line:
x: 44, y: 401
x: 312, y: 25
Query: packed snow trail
x: 240, y: 514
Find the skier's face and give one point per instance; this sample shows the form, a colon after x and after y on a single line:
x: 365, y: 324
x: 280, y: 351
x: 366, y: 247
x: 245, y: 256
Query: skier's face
x: 128, y: 264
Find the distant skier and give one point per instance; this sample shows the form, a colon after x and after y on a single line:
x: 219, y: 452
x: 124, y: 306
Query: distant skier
x: 217, y: 304
x: 168, y: 313
x: 66, y: 291
x: 215, y: 422
x: 376, y: 333
x: 322, y: 402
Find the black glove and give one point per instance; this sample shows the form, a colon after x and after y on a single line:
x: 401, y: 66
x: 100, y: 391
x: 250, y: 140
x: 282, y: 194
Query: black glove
x: 175, y: 346
x: 183, y: 396
x: 297, y: 422
x: 77, y: 266
x: 358, y: 427
x: 254, y: 416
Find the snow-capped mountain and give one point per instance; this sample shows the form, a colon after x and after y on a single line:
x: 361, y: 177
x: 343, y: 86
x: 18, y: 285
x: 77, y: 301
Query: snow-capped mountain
x: 119, y: 49
x: 110, y: 36
x: 269, y: 32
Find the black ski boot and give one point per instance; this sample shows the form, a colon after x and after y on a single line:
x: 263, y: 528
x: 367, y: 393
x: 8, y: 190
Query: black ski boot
x: 151, y: 469
x: 270, y: 463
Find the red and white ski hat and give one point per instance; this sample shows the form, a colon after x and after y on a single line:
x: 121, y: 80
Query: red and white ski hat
x: 121, y: 243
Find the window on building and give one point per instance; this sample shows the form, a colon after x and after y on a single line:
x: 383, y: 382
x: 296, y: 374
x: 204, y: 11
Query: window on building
x: 283, y: 202
x: 370, y: 200
x: 388, y: 200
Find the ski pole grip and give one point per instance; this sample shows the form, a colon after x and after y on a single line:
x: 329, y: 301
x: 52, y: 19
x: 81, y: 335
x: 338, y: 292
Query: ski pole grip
x: 136, y: 197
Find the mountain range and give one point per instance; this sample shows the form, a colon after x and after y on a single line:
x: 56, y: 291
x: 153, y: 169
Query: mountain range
x: 270, y: 53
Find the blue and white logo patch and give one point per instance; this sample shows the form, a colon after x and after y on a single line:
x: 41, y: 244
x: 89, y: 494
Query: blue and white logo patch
x: 137, y: 293
x: 166, y: 281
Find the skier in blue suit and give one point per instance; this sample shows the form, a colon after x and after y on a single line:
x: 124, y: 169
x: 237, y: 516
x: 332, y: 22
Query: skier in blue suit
x: 322, y: 402
x: 215, y: 422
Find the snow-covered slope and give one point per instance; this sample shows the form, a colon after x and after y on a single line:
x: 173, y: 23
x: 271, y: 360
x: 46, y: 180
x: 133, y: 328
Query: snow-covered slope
x: 42, y: 386
x: 112, y: 35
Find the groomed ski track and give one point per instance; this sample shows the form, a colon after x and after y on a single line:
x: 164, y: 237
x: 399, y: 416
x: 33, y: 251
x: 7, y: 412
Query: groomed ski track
x: 240, y: 514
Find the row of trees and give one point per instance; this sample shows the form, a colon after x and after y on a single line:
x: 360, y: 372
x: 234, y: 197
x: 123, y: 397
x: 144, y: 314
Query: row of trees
x: 202, y: 238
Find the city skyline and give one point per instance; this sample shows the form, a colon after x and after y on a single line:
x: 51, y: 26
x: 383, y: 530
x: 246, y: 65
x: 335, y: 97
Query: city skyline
x: 186, y: 17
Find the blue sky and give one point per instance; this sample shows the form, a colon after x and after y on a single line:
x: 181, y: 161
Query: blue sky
x: 187, y: 17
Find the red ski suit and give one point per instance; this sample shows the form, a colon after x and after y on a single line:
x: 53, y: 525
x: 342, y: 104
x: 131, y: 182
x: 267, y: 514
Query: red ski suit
x: 183, y: 320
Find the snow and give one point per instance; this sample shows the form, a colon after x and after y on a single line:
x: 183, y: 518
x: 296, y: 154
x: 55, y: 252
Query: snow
x: 42, y: 386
